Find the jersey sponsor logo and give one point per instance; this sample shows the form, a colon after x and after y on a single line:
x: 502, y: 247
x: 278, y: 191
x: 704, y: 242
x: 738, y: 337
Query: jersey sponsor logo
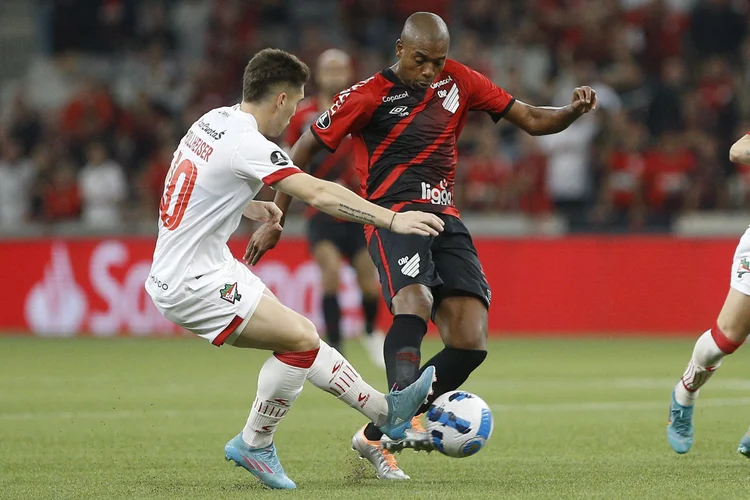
x: 211, y: 132
x: 409, y: 265
x: 439, y: 195
x: 279, y: 158
x: 743, y: 268
x: 451, y: 101
x: 159, y: 283
x: 230, y: 293
x: 400, y: 111
x: 441, y: 82
x: 198, y: 146
x: 397, y: 97
x: 324, y: 120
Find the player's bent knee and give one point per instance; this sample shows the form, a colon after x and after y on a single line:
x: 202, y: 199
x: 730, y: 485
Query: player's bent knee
x: 413, y: 299
x: 732, y: 329
x: 306, y: 337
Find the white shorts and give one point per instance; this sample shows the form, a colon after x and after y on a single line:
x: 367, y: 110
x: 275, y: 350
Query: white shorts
x: 216, y: 306
x: 741, y: 266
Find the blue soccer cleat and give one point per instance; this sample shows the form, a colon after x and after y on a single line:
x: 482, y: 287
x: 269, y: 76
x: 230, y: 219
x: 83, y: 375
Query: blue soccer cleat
x: 260, y: 462
x: 680, y: 427
x: 404, y: 404
x: 744, y: 446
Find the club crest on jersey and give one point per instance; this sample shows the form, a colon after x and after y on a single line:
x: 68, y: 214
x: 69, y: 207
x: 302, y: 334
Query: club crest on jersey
x: 451, y: 101
x: 743, y: 268
x: 324, y: 120
x: 400, y: 111
x: 279, y: 158
x: 230, y: 293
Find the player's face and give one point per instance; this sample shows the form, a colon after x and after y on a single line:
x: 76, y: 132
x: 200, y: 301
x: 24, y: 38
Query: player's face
x: 420, y: 62
x: 286, y: 105
x: 334, y: 76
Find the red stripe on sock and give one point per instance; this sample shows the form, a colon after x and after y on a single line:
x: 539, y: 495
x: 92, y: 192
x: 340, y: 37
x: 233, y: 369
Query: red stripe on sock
x: 301, y: 359
x: 226, y: 332
x: 727, y: 345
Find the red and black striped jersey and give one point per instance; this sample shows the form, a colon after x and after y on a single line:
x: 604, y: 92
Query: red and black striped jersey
x: 404, y: 139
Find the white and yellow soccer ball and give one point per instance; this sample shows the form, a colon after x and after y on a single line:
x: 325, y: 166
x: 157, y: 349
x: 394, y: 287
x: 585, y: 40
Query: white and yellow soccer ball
x: 459, y: 423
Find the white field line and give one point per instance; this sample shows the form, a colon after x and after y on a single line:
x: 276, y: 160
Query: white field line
x: 571, y: 407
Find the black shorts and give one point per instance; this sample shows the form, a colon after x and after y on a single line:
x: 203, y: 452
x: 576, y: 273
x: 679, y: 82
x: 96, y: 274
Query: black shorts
x: 348, y: 237
x: 447, y: 263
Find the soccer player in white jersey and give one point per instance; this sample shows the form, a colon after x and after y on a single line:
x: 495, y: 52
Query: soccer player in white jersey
x: 218, y: 168
x: 727, y: 335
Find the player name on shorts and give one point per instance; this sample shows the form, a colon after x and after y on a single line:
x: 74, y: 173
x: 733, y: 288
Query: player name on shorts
x: 198, y: 146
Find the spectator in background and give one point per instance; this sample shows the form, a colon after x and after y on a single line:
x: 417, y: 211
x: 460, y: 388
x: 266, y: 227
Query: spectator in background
x: 530, y: 185
x: 665, y: 109
x: 486, y: 175
x: 61, y: 197
x: 16, y: 178
x: 90, y: 114
x: 621, y: 203
x: 153, y: 176
x: 103, y: 188
x: 669, y: 166
x: 717, y: 28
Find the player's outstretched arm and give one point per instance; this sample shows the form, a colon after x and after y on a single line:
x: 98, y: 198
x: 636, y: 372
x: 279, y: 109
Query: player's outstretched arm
x: 740, y: 151
x: 338, y: 201
x: 263, y: 211
x: 545, y: 120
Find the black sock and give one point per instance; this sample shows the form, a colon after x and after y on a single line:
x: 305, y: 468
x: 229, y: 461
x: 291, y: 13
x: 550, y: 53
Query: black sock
x: 332, y: 317
x: 402, y: 357
x: 452, y: 367
x: 370, y: 308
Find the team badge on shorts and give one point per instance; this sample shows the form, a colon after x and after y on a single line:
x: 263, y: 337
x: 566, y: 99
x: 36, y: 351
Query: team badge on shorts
x: 743, y: 268
x: 229, y: 293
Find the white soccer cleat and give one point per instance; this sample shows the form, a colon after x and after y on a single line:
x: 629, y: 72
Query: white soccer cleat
x: 417, y: 438
x: 383, y: 461
x: 373, y: 344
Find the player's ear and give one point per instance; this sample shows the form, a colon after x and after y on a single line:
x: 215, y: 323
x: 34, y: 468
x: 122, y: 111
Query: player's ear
x: 280, y: 100
x: 399, y: 48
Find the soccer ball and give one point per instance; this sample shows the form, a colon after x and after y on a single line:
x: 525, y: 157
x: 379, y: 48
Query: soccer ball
x: 459, y: 423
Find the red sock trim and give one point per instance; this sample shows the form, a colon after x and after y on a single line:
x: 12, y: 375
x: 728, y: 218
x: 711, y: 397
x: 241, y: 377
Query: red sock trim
x: 725, y: 344
x: 300, y: 359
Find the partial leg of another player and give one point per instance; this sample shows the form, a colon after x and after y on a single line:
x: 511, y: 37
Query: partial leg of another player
x: 373, y: 339
x: 731, y: 328
x: 328, y: 258
x: 299, y: 355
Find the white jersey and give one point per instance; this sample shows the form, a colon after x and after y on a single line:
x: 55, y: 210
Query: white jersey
x: 218, y: 168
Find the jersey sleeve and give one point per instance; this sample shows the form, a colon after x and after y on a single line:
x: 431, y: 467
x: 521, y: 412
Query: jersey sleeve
x: 486, y: 96
x: 351, y: 110
x: 265, y: 162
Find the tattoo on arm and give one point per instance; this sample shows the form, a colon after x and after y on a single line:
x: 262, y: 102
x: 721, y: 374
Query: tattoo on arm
x: 359, y: 215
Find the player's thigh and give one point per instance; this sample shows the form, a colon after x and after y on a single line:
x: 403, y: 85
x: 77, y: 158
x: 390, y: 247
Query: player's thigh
x: 407, y: 272
x: 462, y: 322
x: 328, y: 258
x: 275, y: 327
x: 457, y: 263
x: 734, y: 318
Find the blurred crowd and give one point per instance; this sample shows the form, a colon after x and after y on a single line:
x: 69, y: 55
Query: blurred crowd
x: 88, y: 133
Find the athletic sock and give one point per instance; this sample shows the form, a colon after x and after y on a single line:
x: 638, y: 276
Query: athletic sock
x: 332, y: 373
x: 370, y: 310
x: 332, y: 318
x: 709, y: 350
x: 452, y: 367
x: 402, y: 357
x: 279, y: 383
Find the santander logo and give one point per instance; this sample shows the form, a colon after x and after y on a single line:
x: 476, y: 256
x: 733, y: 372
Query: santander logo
x: 56, y: 305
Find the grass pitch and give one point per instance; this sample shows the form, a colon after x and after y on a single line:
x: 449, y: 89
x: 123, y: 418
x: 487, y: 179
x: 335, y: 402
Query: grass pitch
x: 121, y: 418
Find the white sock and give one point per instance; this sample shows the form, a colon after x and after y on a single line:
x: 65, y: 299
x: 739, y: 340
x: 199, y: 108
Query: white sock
x: 332, y: 373
x: 279, y: 384
x: 706, y: 359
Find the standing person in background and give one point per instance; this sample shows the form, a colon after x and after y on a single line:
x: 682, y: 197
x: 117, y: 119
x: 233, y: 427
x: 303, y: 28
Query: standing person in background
x: 103, y: 187
x: 330, y: 238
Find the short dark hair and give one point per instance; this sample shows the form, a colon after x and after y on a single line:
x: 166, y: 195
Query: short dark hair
x: 271, y: 67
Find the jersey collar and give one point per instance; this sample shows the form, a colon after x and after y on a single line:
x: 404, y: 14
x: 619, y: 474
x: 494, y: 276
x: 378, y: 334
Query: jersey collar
x: 245, y: 116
